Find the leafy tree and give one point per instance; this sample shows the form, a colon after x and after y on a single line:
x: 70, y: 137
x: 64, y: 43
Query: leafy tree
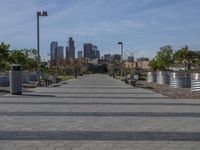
x: 4, y: 52
x: 17, y: 57
x: 25, y: 57
x: 31, y: 59
x: 185, y: 56
x: 163, y: 59
x: 153, y: 64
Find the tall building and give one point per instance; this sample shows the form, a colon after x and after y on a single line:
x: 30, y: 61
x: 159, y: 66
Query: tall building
x: 53, y: 47
x: 130, y: 58
x: 116, y: 57
x: 143, y: 59
x: 94, y: 49
x: 107, y: 57
x: 59, y: 52
x: 97, y: 54
x: 80, y: 54
x: 87, y: 48
x: 70, y: 49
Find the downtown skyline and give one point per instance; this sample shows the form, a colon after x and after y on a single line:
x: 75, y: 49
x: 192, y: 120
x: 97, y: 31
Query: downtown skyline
x: 143, y: 26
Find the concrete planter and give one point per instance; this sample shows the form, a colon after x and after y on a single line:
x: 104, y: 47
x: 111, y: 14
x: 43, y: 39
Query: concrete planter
x: 195, y: 82
x: 180, y: 80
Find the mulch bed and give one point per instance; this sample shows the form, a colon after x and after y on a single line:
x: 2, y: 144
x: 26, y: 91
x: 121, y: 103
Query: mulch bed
x: 176, y: 93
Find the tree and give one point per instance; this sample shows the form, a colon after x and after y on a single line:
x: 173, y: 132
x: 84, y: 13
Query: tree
x: 31, y: 59
x: 185, y: 56
x: 4, y: 52
x: 153, y: 64
x: 17, y: 57
x: 25, y: 57
x: 163, y: 59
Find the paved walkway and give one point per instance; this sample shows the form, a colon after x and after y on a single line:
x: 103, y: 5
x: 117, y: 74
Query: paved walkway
x: 96, y: 112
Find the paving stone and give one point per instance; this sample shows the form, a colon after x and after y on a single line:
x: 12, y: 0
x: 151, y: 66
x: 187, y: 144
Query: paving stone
x: 100, y: 107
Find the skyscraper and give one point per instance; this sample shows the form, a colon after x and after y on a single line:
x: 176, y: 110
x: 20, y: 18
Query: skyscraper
x: 53, y: 47
x: 70, y: 49
x: 87, y: 47
x: 80, y: 54
x: 97, y: 54
x: 94, y: 49
x: 59, y: 52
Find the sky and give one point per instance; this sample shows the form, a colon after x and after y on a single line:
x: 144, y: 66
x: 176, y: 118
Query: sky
x: 142, y: 25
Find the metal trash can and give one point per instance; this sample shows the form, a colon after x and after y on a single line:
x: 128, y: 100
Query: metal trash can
x: 151, y: 76
x: 195, y: 82
x: 15, y: 76
x: 180, y: 80
x: 163, y: 77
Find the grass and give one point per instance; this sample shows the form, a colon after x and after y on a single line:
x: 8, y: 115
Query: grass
x: 118, y: 77
x: 67, y: 77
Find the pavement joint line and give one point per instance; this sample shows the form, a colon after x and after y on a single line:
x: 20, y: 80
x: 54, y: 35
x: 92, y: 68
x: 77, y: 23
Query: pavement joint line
x: 96, y: 103
x: 104, y: 114
x: 100, y: 135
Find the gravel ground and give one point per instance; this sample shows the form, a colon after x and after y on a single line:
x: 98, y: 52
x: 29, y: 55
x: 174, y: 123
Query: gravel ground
x: 176, y: 93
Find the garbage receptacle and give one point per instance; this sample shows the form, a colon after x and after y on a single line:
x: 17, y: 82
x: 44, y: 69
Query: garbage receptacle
x: 15, y: 76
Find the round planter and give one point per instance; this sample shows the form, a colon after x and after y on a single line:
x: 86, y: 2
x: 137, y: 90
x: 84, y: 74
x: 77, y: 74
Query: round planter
x: 195, y: 82
x: 180, y: 80
x: 163, y: 77
x: 151, y: 76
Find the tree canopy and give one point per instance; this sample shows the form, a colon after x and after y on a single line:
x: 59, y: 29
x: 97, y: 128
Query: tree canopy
x: 163, y: 59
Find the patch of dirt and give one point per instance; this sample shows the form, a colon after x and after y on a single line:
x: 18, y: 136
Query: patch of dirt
x: 165, y: 89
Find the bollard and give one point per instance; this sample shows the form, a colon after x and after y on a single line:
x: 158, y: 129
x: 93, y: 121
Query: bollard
x: 15, y: 76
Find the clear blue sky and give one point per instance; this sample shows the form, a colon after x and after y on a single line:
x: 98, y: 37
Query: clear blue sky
x: 143, y: 25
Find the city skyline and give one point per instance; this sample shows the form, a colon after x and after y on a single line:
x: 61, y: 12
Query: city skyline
x: 143, y: 27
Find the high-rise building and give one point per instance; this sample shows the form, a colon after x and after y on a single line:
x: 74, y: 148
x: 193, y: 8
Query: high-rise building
x: 70, y: 49
x: 143, y: 59
x: 97, y: 54
x: 80, y: 54
x: 87, y: 47
x: 107, y: 57
x: 130, y: 58
x: 53, y: 47
x: 59, y: 52
x: 116, y: 57
x: 94, y: 49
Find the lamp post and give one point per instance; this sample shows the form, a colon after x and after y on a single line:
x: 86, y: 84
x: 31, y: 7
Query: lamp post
x: 39, y: 13
x: 121, y: 43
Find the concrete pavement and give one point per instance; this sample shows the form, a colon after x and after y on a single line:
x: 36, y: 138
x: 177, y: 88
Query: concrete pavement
x: 97, y: 112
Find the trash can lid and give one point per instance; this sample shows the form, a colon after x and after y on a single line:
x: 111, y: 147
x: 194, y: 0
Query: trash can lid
x: 16, y: 67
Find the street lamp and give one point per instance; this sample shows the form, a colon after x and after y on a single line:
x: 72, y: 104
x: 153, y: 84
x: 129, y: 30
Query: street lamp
x: 39, y: 13
x: 121, y: 43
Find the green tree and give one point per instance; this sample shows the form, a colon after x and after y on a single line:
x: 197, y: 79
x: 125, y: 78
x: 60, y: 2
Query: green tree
x: 185, y: 56
x: 4, y: 52
x: 163, y: 59
x: 25, y: 57
x: 31, y: 59
x: 17, y: 57
x: 153, y: 64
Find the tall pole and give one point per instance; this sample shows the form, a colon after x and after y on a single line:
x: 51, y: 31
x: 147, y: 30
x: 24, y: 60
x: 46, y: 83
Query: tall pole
x: 121, y: 44
x: 121, y: 60
x: 38, y: 49
x: 39, y: 13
